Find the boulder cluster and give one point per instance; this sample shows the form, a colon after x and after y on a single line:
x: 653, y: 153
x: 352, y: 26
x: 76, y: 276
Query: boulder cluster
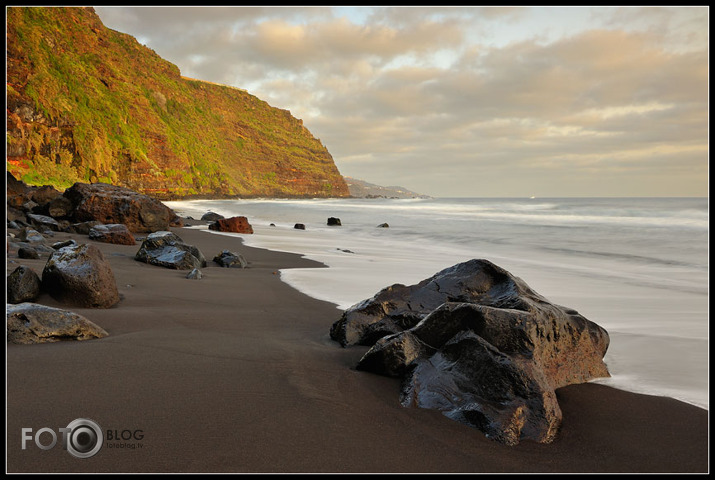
x: 76, y: 274
x: 478, y: 344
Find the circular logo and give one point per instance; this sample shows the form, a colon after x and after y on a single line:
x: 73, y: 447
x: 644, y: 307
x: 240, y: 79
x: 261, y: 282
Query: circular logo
x: 85, y: 438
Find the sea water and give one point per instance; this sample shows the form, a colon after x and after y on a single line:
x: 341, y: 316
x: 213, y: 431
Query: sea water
x: 636, y: 266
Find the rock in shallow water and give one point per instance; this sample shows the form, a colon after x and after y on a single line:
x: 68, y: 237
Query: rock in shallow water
x: 478, y: 344
x: 32, y: 323
x: 234, y: 225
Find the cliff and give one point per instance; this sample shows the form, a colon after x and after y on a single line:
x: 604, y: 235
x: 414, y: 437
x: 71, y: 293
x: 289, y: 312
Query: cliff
x: 86, y: 103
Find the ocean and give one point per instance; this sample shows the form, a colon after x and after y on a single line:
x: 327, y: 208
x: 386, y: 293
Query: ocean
x: 636, y: 266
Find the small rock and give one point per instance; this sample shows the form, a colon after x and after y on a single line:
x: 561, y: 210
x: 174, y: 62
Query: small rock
x: 82, y: 228
x: 230, y: 259
x: 66, y: 243
x: 43, y: 222
x: 195, y: 274
x: 233, y: 225
x: 115, y: 233
x: 383, y: 225
x: 299, y: 226
x: 60, y: 207
x: 166, y: 249
x: 212, y: 217
x: 30, y: 236
x: 28, y: 253
x: 334, y: 222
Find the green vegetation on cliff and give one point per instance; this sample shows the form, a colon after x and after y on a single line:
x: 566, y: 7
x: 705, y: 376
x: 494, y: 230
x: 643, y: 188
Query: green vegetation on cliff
x: 87, y: 103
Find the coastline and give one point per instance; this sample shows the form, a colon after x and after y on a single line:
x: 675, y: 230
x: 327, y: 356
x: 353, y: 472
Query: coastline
x: 236, y: 373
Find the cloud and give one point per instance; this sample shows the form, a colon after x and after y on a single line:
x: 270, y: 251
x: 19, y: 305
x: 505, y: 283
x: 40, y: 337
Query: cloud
x: 444, y: 99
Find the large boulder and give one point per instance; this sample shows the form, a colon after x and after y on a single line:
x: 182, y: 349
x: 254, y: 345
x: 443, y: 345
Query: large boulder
x: 112, y: 204
x: 79, y: 275
x: 23, y: 285
x: 116, y: 233
x: 166, y: 249
x: 32, y: 323
x: 232, y: 224
x: 478, y: 344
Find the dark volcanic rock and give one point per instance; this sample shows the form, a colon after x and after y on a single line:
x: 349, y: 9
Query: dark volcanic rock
x: 82, y: 228
x: 28, y: 252
x: 32, y: 323
x: 112, y: 204
x: 299, y: 226
x: 233, y: 224
x: 14, y: 214
x: 43, y: 222
x: 166, y: 249
x: 230, y: 259
x: 59, y: 207
x: 211, y: 217
x: 66, y: 243
x: 23, y: 285
x: 400, y: 307
x: 115, y: 233
x: 334, y: 222
x: 478, y: 344
x: 79, y: 275
x: 43, y: 195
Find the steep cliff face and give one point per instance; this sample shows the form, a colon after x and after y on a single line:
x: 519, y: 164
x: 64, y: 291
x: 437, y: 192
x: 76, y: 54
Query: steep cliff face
x: 86, y: 103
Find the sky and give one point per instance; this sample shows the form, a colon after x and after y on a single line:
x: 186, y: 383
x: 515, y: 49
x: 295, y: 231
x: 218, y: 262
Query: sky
x: 468, y: 101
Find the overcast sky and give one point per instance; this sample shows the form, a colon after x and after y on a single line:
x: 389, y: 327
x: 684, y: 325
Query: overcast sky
x: 468, y: 101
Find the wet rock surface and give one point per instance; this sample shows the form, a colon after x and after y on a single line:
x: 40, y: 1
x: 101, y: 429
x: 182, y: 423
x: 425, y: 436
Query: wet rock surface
x: 229, y: 259
x: 478, y: 344
x: 116, y: 233
x: 166, y: 249
x: 23, y: 285
x: 79, y: 275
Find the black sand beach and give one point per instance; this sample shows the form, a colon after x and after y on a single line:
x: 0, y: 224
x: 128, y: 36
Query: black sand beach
x: 236, y: 373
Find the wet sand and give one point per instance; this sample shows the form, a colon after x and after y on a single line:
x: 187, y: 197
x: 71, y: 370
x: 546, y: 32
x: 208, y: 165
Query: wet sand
x: 236, y: 373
